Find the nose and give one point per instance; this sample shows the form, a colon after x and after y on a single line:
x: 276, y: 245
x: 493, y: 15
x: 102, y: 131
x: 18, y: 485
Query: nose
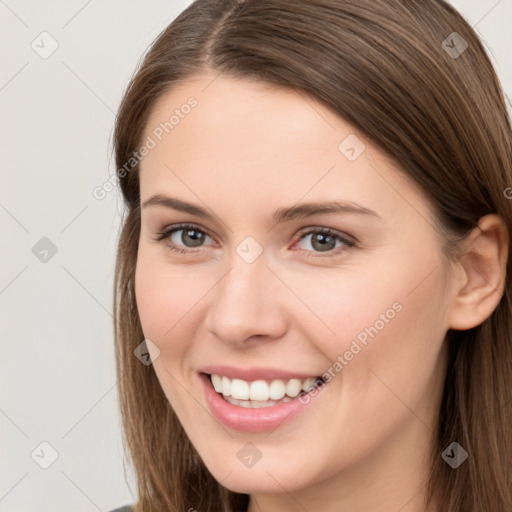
x: 246, y: 303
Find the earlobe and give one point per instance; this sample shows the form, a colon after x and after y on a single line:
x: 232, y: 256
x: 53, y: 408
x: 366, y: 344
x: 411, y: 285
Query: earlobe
x: 483, y: 273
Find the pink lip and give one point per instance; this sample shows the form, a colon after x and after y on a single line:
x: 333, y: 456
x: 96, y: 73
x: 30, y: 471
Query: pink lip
x: 252, y: 420
x: 252, y: 374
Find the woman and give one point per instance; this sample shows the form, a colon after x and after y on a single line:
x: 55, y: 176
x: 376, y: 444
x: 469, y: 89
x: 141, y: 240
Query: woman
x: 313, y: 292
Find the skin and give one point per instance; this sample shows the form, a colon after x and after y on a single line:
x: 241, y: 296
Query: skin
x: 245, y: 150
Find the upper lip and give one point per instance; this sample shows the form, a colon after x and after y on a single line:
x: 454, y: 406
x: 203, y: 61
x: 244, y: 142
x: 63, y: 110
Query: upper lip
x: 254, y: 373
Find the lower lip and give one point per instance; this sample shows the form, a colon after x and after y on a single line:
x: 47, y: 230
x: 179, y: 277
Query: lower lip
x: 247, y: 419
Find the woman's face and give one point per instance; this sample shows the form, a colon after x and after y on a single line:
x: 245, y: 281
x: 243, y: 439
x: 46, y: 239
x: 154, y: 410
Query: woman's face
x: 256, y: 289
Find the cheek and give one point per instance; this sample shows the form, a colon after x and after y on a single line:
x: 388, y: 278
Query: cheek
x: 384, y: 324
x: 151, y: 294
x: 165, y: 303
x: 170, y: 301
x: 161, y: 298
x: 391, y: 362
x: 344, y: 305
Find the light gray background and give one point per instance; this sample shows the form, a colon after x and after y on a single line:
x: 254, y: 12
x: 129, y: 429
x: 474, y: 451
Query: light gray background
x: 58, y: 382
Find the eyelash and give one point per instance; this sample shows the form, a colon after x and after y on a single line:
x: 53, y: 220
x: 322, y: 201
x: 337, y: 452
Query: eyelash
x: 348, y: 244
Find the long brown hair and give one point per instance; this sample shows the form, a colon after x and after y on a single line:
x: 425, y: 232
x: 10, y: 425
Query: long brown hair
x: 385, y: 67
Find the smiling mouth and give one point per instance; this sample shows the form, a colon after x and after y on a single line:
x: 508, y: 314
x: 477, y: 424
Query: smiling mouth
x: 262, y: 393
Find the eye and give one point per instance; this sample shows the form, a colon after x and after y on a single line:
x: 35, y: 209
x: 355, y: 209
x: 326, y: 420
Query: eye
x: 185, y: 238
x: 325, y: 240
x: 186, y: 235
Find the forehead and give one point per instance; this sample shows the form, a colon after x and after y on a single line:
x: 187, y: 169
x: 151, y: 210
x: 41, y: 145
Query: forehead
x: 243, y: 124
x: 253, y: 138
x: 235, y: 106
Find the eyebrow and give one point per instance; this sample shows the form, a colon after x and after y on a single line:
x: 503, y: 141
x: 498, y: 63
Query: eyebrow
x: 297, y: 211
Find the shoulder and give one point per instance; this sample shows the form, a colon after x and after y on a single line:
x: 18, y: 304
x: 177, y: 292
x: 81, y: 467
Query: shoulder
x: 126, y: 508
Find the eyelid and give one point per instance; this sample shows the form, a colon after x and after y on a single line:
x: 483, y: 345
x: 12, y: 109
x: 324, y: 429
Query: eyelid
x: 323, y: 229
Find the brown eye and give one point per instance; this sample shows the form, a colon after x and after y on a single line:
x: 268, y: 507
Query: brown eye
x: 183, y: 237
x: 190, y: 237
x: 325, y: 240
x: 322, y: 242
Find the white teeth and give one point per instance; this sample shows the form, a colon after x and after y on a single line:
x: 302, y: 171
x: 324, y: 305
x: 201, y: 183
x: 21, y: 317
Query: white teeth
x: 241, y: 391
x: 226, y: 386
x: 217, y: 383
x: 309, y: 384
x: 259, y: 390
x: 257, y: 404
x: 293, y: 388
x: 277, y: 390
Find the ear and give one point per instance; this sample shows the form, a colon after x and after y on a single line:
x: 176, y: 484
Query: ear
x: 482, y: 270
